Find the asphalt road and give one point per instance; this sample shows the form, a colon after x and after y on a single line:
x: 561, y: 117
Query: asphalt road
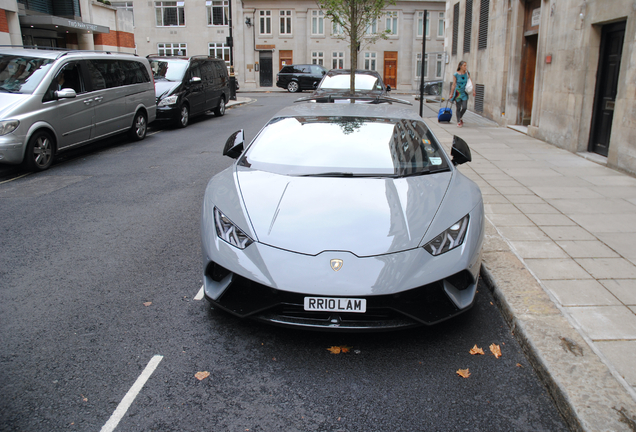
x: 99, y: 268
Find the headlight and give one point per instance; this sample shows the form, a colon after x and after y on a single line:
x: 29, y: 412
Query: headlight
x: 8, y: 126
x: 449, y: 239
x: 229, y: 232
x: 170, y: 100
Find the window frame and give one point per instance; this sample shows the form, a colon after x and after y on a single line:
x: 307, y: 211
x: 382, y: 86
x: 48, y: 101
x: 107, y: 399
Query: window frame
x: 317, y: 23
x: 318, y: 58
x: 160, y: 8
x: 172, y: 47
x: 285, y: 22
x: 370, y: 57
x: 213, y: 48
x: 392, y: 22
x: 225, y: 8
x: 265, y: 22
x: 337, y: 58
x: 440, y: 25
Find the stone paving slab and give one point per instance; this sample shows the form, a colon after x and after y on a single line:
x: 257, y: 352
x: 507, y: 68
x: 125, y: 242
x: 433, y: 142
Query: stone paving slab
x: 560, y: 257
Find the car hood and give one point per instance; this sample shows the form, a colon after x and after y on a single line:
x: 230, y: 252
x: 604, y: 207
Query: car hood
x: 163, y: 87
x: 364, y: 216
x: 8, y: 102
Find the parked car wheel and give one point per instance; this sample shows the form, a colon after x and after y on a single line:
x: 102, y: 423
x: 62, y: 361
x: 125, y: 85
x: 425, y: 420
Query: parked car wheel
x: 435, y: 90
x: 139, y: 127
x: 293, y: 87
x: 219, y: 111
x: 184, y: 116
x: 39, y: 152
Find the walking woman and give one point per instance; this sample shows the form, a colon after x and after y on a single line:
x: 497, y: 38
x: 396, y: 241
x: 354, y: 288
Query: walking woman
x: 458, y: 91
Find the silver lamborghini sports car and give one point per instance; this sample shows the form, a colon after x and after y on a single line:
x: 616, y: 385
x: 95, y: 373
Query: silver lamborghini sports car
x: 342, y: 217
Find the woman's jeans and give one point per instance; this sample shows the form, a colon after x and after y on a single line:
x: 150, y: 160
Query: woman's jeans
x: 462, y: 105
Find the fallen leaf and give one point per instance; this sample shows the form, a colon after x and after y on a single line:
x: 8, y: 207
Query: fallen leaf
x: 147, y: 304
x: 519, y: 365
x: 84, y: 398
x: 495, y: 350
x: 339, y: 349
x: 202, y: 375
x: 463, y: 373
x: 475, y: 350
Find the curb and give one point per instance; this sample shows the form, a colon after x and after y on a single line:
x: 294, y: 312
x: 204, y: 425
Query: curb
x: 586, y: 394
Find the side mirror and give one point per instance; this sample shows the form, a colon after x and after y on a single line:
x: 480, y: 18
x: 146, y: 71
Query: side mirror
x: 195, y: 80
x: 460, y: 151
x: 388, y: 88
x: 324, y: 73
x: 234, y: 145
x: 315, y: 85
x: 67, y: 93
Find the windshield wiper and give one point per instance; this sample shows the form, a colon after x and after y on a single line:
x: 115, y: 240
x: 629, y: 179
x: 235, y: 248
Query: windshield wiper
x: 343, y: 174
x: 425, y: 172
x: 7, y: 90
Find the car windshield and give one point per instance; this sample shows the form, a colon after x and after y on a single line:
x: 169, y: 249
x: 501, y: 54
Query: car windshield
x: 20, y: 74
x: 345, y: 146
x: 343, y: 82
x: 170, y: 70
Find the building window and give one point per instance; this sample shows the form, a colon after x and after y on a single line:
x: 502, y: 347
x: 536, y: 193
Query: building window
x: 337, y: 60
x: 420, y: 23
x: 468, y: 25
x: 218, y: 12
x: 438, y: 66
x: 392, y: 22
x: 170, y: 13
x: 337, y: 30
x: 318, y: 57
x: 418, y: 66
x: 440, y: 25
x: 124, y: 5
x: 220, y: 50
x: 286, y: 22
x: 172, y: 49
x: 265, y: 22
x: 372, y: 28
x: 455, y: 28
x: 370, y: 60
x: 483, y: 24
x: 317, y: 23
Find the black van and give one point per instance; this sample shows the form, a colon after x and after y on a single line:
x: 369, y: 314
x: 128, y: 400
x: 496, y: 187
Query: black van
x: 188, y: 86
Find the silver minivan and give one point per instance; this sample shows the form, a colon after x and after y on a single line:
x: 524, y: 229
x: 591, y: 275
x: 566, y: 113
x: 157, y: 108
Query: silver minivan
x: 51, y: 101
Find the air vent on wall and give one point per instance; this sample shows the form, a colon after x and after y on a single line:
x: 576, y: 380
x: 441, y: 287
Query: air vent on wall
x: 479, y: 98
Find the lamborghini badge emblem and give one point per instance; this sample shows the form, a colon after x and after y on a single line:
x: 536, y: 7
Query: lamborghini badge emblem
x: 336, y: 264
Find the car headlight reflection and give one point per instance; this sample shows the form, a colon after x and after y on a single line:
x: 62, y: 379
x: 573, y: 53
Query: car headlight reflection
x: 8, y: 126
x: 449, y: 239
x: 170, y: 100
x: 229, y: 232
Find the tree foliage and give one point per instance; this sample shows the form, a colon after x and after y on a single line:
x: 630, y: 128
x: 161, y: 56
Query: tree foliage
x: 355, y: 17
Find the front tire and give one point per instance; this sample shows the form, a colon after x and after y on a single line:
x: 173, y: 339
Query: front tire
x: 139, y: 127
x: 184, y: 116
x: 219, y: 111
x: 39, y: 152
x: 293, y: 87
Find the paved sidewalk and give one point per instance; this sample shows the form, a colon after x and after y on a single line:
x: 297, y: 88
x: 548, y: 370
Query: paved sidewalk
x: 560, y: 255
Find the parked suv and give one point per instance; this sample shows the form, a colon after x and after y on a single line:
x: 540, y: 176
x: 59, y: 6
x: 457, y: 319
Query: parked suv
x: 53, y: 100
x: 300, y: 77
x: 189, y: 86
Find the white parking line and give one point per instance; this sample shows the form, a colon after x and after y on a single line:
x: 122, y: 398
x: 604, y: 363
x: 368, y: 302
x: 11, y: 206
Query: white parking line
x: 199, y: 295
x: 125, y: 403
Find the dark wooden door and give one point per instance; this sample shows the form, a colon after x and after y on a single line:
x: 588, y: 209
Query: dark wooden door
x: 526, y: 84
x: 609, y: 65
x: 266, y: 72
x: 390, y: 68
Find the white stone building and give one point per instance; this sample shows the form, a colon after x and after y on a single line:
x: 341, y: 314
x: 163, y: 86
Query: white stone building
x: 268, y: 34
x: 566, y: 69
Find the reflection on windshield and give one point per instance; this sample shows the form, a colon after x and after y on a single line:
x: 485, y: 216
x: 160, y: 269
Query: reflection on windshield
x: 343, y: 82
x: 345, y: 146
x: 22, y: 74
x: 171, y: 70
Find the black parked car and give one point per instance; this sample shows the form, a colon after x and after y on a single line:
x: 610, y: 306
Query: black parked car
x: 433, y: 88
x: 300, y: 77
x: 188, y: 86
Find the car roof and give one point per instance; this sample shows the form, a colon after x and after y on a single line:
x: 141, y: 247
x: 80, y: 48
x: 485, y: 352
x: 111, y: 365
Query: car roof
x: 349, y: 110
x: 55, y: 54
x: 358, y: 72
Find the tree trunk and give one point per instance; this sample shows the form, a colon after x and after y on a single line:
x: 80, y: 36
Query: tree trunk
x: 354, y: 45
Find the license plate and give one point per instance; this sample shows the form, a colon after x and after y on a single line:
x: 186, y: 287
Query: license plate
x: 335, y: 304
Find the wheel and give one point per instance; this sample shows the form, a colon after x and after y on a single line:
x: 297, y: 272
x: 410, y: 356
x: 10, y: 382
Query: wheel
x: 184, y: 117
x: 139, y: 127
x: 293, y: 87
x: 219, y: 111
x: 39, y: 152
x: 435, y: 90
